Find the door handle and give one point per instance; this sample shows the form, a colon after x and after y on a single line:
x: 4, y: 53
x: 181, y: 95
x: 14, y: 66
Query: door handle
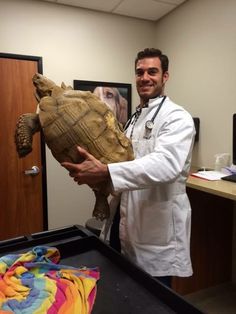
x: 34, y: 171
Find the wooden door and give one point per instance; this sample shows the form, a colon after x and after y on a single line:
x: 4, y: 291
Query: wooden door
x: 22, y: 197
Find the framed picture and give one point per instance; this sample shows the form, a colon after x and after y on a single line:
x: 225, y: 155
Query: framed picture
x: 116, y: 95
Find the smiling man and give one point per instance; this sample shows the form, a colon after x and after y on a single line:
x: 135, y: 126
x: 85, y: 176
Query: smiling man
x: 152, y: 214
x: 151, y: 76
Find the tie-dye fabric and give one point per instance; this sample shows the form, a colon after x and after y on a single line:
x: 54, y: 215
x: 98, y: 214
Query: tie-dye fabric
x: 34, y: 283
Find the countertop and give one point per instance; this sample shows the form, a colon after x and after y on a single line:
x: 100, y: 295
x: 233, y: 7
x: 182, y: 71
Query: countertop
x: 220, y: 187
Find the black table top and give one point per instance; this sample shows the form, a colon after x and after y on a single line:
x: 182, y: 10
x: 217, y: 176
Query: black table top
x: 122, y: 288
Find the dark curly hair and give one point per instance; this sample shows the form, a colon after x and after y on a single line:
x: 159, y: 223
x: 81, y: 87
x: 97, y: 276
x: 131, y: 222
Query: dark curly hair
x: 152, y: 53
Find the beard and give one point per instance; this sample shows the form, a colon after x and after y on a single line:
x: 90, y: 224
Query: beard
x: 148, y: 90
x: 146, y: 93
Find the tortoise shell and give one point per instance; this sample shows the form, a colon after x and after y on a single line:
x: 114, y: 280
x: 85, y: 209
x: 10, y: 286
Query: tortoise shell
x: 80, y: 118
x: 69, y: 119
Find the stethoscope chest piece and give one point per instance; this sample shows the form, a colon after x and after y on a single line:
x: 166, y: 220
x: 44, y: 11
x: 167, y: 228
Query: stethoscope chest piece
x: 148, y: 129
x: 149, y: 125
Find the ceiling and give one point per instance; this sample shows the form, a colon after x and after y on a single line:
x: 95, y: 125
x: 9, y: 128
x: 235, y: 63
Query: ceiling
x: 151, y: 10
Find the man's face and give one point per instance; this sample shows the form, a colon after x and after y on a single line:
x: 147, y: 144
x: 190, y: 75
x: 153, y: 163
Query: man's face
x: 150, y: 80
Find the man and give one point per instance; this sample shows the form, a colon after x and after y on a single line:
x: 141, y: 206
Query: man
x: 155, y: 213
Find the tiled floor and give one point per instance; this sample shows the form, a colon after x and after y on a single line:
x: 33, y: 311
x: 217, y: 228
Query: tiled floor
x: 216, y: 300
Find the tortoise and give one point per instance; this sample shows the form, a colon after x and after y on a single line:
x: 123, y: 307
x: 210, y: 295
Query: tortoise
x: 71, y: 118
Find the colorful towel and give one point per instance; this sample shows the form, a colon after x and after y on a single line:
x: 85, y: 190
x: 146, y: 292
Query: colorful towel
x: 34, y: 283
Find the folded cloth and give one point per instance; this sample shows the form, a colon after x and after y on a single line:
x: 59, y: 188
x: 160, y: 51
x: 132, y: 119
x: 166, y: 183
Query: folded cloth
x: 34, y: 283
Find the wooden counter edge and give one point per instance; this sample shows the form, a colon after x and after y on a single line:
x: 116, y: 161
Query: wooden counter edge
x: 221, y: 188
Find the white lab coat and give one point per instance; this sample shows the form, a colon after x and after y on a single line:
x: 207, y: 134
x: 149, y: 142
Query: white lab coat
x: 155, y: 211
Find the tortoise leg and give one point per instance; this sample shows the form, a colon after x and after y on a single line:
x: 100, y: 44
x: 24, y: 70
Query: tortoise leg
x: 27, y: 125
x: 101, y: 209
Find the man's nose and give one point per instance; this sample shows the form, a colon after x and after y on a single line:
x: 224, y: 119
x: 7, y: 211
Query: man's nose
x: 145, y: 76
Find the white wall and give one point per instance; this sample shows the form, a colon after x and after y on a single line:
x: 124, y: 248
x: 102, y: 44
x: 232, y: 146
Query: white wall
x: 74, y: 44
x: 200, y: 39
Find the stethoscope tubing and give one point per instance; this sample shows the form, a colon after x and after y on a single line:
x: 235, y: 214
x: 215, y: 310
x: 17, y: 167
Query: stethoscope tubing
x: 149, y: 123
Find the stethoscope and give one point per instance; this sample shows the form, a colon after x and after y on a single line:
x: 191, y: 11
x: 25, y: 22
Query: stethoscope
x: 149, y: 124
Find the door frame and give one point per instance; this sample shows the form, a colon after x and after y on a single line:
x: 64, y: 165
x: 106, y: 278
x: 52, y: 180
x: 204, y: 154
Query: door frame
x: 39, y: 61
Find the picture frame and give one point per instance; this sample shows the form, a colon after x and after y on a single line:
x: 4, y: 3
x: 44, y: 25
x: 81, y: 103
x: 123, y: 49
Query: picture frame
x: 116, y: 95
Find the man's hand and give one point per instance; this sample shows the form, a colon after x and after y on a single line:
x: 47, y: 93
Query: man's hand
x: 91, y: 171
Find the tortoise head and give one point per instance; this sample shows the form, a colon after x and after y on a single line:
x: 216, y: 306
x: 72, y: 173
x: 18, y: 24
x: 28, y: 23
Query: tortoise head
x: 43, y: 85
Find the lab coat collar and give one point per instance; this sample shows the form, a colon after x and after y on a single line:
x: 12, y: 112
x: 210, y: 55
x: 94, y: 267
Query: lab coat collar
x: 155, y: 101
x: 152, y: 102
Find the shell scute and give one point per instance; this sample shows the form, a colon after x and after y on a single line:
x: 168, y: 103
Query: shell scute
x: 92, y: 124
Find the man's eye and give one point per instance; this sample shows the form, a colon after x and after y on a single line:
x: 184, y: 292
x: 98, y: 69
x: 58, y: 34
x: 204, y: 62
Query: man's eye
x: 139, y: 73
x: 152, y: 71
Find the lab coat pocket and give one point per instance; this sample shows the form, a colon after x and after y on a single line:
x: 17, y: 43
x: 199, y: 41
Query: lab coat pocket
x: 143, y: 146
x: 157, y: 224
